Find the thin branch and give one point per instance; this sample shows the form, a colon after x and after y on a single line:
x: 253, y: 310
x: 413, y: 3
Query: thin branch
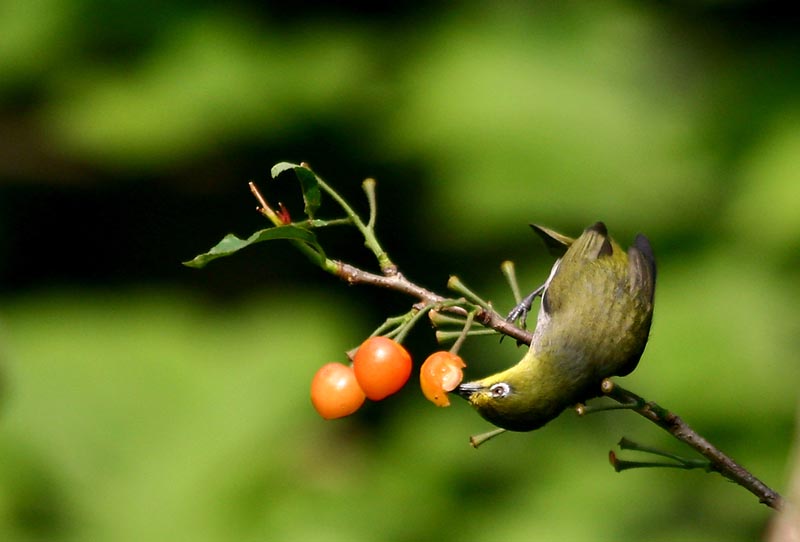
x: 398, y: 282
x: 673, y: 424
x: 367, y: 230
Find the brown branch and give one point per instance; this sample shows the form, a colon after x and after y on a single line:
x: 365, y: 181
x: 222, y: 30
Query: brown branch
x: 393, y: 281
x: 396, y: 281
x: 674, y: 425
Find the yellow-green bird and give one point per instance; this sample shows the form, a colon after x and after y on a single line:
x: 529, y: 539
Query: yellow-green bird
x: 593, y: 323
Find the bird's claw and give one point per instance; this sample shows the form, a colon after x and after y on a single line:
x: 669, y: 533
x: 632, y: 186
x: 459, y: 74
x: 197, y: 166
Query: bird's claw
x: 523, y: 308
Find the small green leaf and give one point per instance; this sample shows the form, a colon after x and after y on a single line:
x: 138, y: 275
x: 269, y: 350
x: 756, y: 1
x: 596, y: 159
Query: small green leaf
x: 279, y: 168
x: 311, y: 194
x: 231, y: 244
x: 308, y: 184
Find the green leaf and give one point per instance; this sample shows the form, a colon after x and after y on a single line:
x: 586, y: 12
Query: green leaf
x: 311, y: 194
x: 231, y: 244
x: 280, y: 167
x: 308, y: 184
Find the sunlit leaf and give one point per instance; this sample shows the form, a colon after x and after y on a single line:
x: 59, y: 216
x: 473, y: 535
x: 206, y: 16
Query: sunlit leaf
x: 308, y: 184
x: 231, y: 244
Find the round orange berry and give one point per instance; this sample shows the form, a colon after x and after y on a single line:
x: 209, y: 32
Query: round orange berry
x: 335, y: 392
x: 382, y: 366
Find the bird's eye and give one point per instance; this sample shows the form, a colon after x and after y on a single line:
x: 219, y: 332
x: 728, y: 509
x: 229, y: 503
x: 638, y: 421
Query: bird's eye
x: 501, y: 389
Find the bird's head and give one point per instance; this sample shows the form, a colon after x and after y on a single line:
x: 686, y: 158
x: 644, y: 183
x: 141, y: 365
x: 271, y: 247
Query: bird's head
x: 521, y: 398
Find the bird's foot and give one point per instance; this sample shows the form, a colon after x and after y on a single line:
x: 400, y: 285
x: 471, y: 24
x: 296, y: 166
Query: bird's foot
x: 523, y: 308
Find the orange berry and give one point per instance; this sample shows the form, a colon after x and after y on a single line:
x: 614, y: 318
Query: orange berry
x: 335, y: 392
x: 439, y: 374
x: 382, y: 366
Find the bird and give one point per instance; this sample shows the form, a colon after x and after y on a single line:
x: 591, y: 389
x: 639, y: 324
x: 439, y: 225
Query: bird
x: 593, y: 323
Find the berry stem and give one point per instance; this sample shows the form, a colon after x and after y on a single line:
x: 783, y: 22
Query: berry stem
x: 464, y: 332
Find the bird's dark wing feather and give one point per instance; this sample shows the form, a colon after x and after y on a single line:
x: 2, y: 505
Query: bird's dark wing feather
x: 642, y: 265
x: 556, y: 243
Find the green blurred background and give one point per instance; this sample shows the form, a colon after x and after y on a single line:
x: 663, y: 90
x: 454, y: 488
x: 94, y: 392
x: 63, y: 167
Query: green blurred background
x: 145, y: 401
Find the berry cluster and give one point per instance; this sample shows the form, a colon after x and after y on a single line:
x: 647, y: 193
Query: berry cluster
x: 380, y: 368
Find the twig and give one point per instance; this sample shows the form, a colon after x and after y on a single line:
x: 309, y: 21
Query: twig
x: 367, y: 230
x: 674, y: 425
x: 398, y: 283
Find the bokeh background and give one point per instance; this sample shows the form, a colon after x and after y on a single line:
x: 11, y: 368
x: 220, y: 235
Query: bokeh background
x: 143, y: 400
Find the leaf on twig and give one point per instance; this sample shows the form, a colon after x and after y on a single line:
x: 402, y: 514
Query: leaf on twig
x: 231, y: 244
x: 308, y: 184
x: 280, y: 167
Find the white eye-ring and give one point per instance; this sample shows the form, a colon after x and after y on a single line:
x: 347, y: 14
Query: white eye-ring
x: 501, y: 389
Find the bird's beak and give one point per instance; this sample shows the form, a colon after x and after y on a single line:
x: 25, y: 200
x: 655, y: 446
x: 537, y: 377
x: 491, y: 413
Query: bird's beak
x: 466, y: 389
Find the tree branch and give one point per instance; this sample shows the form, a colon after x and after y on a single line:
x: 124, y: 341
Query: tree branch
x: 674, y: 425
x: 397, y: 282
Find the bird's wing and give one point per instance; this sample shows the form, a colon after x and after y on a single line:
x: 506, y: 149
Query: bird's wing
x: 556, y: 243
x: 642, y: 267
x: 593, y: 244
